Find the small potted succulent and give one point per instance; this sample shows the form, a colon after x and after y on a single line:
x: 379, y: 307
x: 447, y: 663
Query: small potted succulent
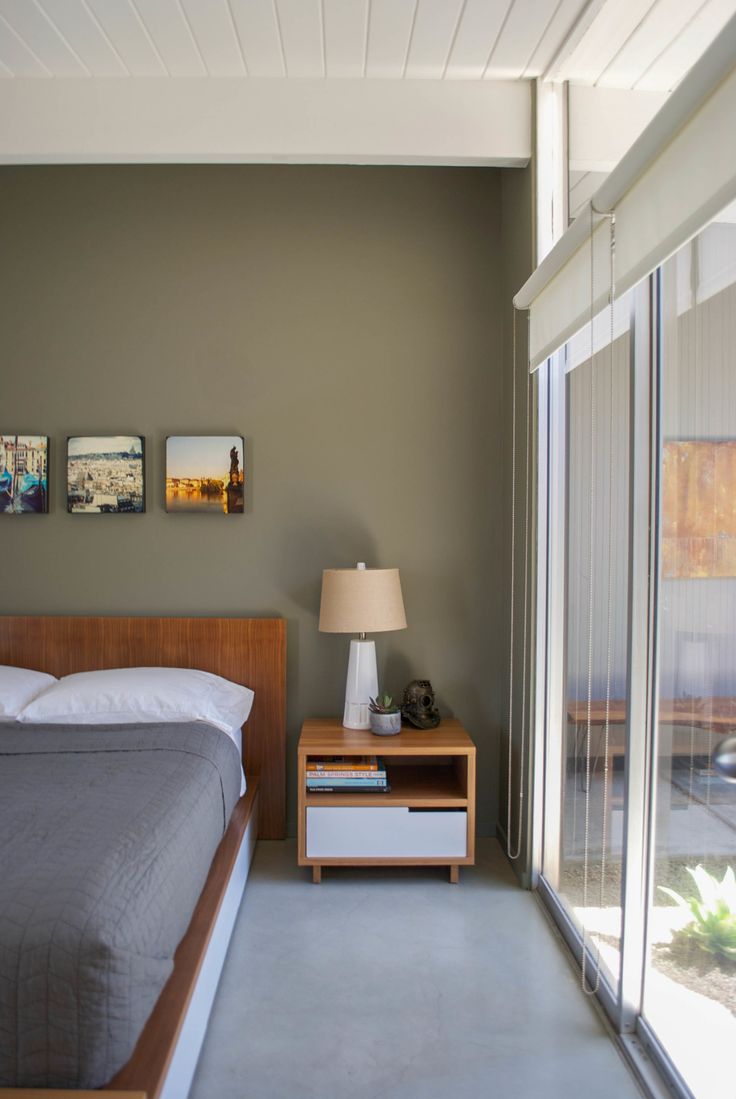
x: 385, y: 715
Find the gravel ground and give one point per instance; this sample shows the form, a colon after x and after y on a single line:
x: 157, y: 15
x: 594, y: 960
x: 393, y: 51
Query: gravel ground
x: 681, y: 961
x: 692, y: 967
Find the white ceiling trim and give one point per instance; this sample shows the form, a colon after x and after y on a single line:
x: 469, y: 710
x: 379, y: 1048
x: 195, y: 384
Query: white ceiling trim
x: 261, y: 120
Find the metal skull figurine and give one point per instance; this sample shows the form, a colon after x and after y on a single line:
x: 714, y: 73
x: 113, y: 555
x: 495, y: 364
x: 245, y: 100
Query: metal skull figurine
x: 418, y: 706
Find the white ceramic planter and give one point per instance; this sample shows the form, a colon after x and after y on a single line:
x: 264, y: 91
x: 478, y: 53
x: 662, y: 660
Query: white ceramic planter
x: 385, y: 724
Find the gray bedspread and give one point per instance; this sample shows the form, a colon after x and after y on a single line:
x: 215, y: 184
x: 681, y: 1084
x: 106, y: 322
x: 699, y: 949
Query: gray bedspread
x: 106, y: 838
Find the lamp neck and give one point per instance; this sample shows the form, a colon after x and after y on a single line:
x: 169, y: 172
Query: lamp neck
x: 361, y: 636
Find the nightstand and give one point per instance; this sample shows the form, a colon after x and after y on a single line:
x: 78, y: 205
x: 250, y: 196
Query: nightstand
x: 426, y: 819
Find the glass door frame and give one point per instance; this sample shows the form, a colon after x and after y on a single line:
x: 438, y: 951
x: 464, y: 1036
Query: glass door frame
x: 622, y: 1006
x: 640, y: 1042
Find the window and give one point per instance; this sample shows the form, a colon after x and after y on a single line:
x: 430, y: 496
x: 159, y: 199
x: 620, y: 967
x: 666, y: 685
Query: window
x: 690, y: 986
x: 583, y: 853
x: 641, y: 658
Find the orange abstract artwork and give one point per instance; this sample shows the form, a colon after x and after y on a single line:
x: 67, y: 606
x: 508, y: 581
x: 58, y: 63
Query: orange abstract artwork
x: 699, y: 509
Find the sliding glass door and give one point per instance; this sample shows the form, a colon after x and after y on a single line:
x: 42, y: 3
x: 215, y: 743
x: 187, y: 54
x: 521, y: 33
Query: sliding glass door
x: 690, y: 986
x: 639, y: 846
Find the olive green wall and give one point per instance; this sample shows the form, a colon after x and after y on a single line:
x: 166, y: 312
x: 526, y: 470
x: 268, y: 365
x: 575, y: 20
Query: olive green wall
x: 348, y: 321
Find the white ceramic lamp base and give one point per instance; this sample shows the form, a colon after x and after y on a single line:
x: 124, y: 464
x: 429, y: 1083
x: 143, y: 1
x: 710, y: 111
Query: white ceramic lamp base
x: 362, y: 684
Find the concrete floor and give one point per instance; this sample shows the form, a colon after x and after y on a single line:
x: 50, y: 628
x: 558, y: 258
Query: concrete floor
x: 393, y: 984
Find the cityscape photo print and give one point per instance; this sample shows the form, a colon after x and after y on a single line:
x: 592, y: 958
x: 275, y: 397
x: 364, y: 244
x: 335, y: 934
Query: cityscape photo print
x: 105, y: 474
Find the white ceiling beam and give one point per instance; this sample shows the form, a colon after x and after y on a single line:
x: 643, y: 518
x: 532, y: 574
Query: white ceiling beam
x: 605, y: 122
x: 233, y: 120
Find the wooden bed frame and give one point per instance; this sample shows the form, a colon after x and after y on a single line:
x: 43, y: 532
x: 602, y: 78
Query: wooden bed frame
x: 250, y: 651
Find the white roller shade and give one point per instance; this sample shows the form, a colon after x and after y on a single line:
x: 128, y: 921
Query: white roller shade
x: 677, y: 176
x: 563, y: 304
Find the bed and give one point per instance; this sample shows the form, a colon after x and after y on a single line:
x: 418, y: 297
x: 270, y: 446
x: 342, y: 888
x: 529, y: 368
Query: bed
x: 250, y: 652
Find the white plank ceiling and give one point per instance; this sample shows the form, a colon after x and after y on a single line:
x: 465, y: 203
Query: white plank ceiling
x: 646, y: 44
x: 642, y: 45
x: 430, y: 39
x: 390, y: 39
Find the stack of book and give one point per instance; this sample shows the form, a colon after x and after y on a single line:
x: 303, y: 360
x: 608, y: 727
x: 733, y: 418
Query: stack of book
x: 347, y: 775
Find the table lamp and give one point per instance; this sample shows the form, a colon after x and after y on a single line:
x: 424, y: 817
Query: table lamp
x: 361, y: 601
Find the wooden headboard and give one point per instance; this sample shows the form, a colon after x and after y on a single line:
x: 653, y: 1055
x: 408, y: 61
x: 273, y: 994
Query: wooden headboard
x: 250, y: 651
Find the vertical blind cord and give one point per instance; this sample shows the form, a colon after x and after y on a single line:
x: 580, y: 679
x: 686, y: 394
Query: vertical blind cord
x: 593, y: 989
x: 513, y: 584
x: 591, y: 559
x: 608, y: 779
x: 512, y: 852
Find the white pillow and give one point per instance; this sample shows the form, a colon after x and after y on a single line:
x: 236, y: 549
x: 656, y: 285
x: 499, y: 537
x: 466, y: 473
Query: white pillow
x: 127, y: 695
x: 18, y: 687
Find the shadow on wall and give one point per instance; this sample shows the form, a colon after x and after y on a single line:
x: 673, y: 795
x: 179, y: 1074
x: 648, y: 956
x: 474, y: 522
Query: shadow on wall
x: 338, y: 542
x: 398, y: 671
x: 316, y: 672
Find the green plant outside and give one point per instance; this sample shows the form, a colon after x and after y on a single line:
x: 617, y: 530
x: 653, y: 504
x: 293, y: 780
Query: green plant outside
x: 713, y: 911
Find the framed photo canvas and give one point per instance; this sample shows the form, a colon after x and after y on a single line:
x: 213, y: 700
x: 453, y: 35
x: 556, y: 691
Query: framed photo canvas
x: 204, y: 473
x: 105, y: 474
x: 699, y: 509
x: 24, y: 474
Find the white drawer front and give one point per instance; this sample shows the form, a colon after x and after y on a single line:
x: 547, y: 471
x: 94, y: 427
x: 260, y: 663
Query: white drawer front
x: 385, y: 833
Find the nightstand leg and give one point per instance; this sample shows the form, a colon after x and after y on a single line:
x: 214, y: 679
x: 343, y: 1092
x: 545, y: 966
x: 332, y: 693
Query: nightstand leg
x: 454, y: 875
x: 316, y: 875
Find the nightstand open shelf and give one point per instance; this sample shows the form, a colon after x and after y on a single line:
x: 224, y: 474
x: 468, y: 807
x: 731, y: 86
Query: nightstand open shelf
x: 427, y: 817
x: 411, y: 785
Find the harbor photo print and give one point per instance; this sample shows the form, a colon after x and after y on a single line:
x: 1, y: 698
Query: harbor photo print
x: 24, y: 461
x: 204, y: 473
x: 105, y: 474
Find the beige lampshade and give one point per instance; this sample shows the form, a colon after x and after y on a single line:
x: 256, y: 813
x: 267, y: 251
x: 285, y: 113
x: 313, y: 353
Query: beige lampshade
x: 361, y: 601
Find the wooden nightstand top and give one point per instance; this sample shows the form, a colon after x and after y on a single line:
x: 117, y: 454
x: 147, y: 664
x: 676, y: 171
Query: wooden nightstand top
x: 329, y: 735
